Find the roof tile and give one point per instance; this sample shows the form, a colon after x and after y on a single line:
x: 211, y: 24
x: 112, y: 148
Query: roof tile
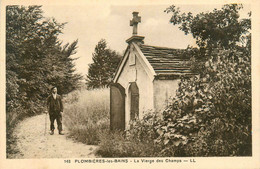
x: 167, y: 61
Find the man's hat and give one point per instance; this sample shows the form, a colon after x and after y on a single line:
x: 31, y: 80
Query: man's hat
x: 53, y: 87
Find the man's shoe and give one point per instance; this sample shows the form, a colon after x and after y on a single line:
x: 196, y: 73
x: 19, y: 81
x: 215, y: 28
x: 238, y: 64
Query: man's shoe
x: 61, y: 133
x: 52, y: 132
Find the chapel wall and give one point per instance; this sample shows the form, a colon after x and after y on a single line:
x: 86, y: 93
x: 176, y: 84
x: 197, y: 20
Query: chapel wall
x: 163, y: 90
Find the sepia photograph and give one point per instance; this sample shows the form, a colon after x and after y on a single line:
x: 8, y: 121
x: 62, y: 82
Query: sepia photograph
x: 106, y: 83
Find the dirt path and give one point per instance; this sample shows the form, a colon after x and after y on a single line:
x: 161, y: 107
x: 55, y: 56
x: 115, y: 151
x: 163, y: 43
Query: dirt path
x: 33, y: 143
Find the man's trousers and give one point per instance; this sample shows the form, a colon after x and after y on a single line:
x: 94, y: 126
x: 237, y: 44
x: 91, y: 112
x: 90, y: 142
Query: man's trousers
x: 58, y: 118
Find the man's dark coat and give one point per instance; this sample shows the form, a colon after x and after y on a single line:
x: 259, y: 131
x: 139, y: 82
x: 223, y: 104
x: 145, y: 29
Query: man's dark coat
x: 54, y: 106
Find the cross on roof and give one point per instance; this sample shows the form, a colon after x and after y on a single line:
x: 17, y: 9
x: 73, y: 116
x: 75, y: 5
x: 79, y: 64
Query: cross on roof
x: 134, y: 22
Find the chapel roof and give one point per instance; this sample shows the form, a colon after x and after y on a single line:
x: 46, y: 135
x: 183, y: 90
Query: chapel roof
x: 167, y: 61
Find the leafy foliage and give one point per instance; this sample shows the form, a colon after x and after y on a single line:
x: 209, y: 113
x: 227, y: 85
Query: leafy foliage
x: 35, y: 61
x: 211, y: 112
x: 213, y: 29
x: 135, y: 142
x: 101, y: 72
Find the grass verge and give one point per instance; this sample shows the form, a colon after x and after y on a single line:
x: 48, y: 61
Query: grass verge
x: 86, y: 115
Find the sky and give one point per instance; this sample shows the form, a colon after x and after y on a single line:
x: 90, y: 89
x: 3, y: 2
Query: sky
x: 89, y: 23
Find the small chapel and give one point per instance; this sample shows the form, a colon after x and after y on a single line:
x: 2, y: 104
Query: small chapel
x: 145, y: 79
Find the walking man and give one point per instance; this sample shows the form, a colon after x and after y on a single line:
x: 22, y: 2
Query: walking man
x: 55, y: 108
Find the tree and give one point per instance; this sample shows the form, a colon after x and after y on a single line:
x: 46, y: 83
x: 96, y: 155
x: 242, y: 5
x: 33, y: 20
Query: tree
x: 211, y: 113
x: 103, y: 68
x: 35, y: 61
x: 219, y: 28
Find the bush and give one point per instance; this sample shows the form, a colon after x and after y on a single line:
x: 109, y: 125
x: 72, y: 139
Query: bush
x: 86, y: 114
x: 211, y: 113
x: 138, y: 141
x: 115, y: 144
